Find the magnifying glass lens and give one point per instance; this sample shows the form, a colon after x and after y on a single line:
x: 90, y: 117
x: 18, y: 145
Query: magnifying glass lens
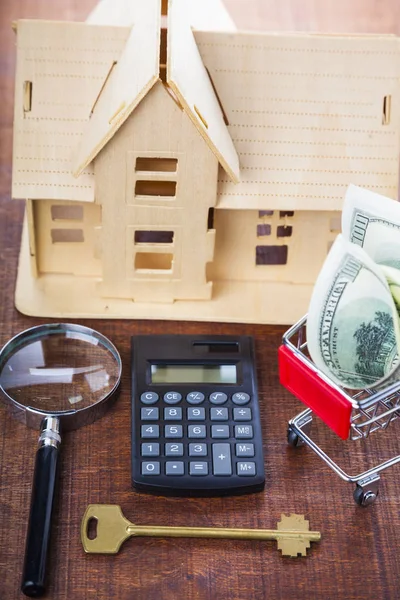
x: 59, y: 370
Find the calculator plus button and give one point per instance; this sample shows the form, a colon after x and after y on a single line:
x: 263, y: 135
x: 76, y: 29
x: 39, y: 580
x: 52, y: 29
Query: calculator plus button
x: 240, y: 398
x: 151, y: 449
x: 174, y: 468
x: 219, y: 431
x: 174, y: 449
x: 195, y: 397
x: 197, y: 449
x: 150, y: 431
x: 172, y: 397
x: 246, y: 469
x: 173, y: 431
x: 243, y: 432
x: 218, y: 414
x: 149, y: 397
x: 197, y: 431
x: 244, y: 449
x: 198, y: 468
x: 150, y: 468
x: 173, y: 414
x: 196, y: 414
x: 242, y: 414
x: 222, y: 459
x: 218, y: 398
x: 149, y: 414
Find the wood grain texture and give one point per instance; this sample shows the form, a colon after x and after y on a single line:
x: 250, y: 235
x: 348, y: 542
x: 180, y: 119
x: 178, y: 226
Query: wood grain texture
x: 358, y: 555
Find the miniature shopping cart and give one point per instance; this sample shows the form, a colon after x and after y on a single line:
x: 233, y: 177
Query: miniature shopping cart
x: 351, y: 415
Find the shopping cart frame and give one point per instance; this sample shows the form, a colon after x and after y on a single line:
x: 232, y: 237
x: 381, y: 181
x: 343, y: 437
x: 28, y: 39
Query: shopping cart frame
x: 350, y: 414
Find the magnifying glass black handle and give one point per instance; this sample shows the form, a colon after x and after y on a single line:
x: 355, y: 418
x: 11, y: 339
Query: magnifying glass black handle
x: 39, y: 527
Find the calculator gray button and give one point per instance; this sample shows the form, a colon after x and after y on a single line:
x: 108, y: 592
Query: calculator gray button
x: 244, y: 449
x: 222, y: 459
x: 150, y: 431
x: 220, y: 431
x: 173, y: 414
x: 174, y: 468
x: 173, y: 431
x: 218, y: 398
x: 152, y: 449
x: 149, y: 414
x: 246, y: 469
x: 172, y: 397
x: 198, y: 468
x: 195, y: 397
x: 219, y: 414
x: 240, y: 398
x: 242, y: 414
x: 197, y: 431
x: 150, y: 468
x: 197, y: 449
x: 149, y: 397
x: 174, y: 449
x: 196, y: 414
x: 243, y: 432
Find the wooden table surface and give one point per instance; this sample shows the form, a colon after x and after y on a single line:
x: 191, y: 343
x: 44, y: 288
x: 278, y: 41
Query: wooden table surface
x: 358, y: 556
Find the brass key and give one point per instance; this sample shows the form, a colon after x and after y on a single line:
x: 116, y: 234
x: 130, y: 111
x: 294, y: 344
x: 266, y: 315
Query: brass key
x: 293, y: 535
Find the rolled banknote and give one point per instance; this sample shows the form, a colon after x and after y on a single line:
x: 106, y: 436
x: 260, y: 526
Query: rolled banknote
x: 353, y: 331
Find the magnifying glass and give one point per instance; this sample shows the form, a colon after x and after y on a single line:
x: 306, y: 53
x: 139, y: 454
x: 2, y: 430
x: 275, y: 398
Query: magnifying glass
x: 54, y: 377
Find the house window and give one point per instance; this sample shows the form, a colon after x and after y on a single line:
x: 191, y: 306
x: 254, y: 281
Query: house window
x: 155, y: 188
x: 66, y: 212
x: 155, y: 164
x: 153, y: 261
x: 154, y: 237
x: 271, y: 255
x: 66, y: 235
x: 263, y: 229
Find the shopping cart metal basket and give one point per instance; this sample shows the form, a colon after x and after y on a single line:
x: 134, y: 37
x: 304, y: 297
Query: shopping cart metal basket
x: 350, y: 414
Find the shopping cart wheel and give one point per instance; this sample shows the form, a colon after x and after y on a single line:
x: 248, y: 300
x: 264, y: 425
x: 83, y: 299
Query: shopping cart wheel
x: 293, y: 439
x: 364, y: 498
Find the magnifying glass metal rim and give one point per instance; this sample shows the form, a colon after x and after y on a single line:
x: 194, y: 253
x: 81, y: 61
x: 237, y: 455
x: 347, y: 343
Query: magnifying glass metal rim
x: 71, y: 419
x: 44, y: 480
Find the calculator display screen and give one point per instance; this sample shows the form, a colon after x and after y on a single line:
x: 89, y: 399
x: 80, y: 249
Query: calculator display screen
x: 193, y: 373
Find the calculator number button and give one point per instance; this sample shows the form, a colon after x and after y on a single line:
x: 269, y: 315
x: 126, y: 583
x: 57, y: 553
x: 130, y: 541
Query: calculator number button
x: 198, y: 468
x: 151, y: 449
x: 150, y: 468
x: 150, y: 431
x: 222, y: 464
x: 173, y: 449
x: 172, y: 397
x: 196, y: 414
x: 218, y: 414
x: 219, y: 431
x: 173, y: 414
x: 243, y: 432
x: 149, y: 398
x: 174, y: 468
x: 197, y: 450
x: 149, y: 414
x: 218, y: 398
x: 244, y: 449
x: 173, y: 431
x: 246, y: 469
x: 197, y: 431
x: 240, y: 398
x: 242, y: 414
x: 195, y: 397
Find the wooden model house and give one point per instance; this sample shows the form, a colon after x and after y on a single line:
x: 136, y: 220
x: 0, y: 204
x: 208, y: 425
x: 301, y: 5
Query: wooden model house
x: 176, y: 173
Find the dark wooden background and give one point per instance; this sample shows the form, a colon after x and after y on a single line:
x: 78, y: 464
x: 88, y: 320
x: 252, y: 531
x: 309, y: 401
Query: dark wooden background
x: 358, y: 555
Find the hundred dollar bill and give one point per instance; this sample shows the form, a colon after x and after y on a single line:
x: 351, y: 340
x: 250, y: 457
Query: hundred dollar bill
x: 353, y: 328
x: 372, y: 222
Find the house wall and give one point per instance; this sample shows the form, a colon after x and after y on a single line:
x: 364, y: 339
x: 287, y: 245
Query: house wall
x: 288, y: 246
x: 155, y: 238
x: 65, y: 236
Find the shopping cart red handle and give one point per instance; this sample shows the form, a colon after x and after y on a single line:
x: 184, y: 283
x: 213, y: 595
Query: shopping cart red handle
x: 314, y: 392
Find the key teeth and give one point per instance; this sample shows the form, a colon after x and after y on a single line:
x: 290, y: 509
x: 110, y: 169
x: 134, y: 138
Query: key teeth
x: 293, y: 522
x: 293, y: 548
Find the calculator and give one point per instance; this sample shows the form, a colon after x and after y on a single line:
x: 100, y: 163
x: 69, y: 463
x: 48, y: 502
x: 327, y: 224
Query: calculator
x: 195, y: 416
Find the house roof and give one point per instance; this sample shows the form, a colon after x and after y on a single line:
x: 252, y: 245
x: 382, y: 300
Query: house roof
x: 306, y: 115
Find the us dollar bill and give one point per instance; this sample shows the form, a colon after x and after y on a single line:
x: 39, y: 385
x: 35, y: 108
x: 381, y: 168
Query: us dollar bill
x: 353, y: 331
